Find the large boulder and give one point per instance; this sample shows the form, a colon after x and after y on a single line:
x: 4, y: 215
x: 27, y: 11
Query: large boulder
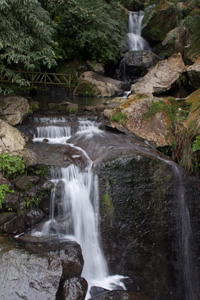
x: 193, y: 73
x: 136, y: 116
x: 93, y: 84
x: 136, y: 64
x: 13, y: 109
x: 10, y: 138
x: 184, y: 38
x: 140, y: 205
x: 158, y: 20
x: 33, y: 269
x: 162, y: 76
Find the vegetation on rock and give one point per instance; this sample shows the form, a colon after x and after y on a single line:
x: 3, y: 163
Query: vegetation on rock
x: 11, y: 166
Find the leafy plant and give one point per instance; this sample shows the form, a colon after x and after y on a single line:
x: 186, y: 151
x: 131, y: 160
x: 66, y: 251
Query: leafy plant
x: 11, y: 166
x: 92, y: 29
x: 158, y: 106
x: 4, y: 189
x: 26, y: 38
x: 196, y: 144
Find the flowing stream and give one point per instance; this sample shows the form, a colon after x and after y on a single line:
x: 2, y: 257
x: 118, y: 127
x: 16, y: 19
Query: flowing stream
x: 78, y: 216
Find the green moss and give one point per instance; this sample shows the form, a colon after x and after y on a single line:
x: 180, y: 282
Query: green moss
x: 109, y: 206
x: 33, y: 106
x: 72, y: 110
x: 159, y: 106
x: 39, y: 170
x: 119, y: 116
x: 4, y: 189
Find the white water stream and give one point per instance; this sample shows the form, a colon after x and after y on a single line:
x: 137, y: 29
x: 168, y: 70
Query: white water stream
x: 78, y: 218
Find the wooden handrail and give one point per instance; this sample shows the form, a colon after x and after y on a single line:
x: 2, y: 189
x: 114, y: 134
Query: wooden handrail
x: 44, y: 78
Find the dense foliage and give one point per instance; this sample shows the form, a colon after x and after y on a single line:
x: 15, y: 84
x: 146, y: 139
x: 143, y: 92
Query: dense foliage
x: 26, y: 37
x: 11, y: 165
x: 90, y: 29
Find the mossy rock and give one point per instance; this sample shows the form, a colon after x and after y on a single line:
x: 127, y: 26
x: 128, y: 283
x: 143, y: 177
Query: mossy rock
x: 158, y: 21
x: 193, y: 121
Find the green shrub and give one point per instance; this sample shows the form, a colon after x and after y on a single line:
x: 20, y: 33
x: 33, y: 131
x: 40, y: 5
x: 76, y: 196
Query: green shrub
x: 4, y: 189
x: 196, y: 144
x: 11, y: 166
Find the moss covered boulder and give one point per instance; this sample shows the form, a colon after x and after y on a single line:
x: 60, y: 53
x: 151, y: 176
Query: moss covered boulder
x: 93, y: 84
x: 160, y: 18
x: 148, y: 117
x: 184, y: 38
x: 193, y: 121
x: 138, y: 204
x: 162, y: 77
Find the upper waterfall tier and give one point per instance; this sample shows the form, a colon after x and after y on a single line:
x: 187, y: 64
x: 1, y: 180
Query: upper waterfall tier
x: 135, y: 41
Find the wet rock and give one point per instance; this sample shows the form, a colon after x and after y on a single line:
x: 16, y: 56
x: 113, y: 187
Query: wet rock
x: 44, y: 204
x: 75, y: 288
x: 23, y: 182
x: 120, y: 295
x: 13, y: 109
x: 15, y: 226
x: 130, y: 284
x: 25, y: 275
x: 136, y: 64
x: 161, y: 77
x: 68, y: 252
x: 10, y: 138
x: 6, y: 217
x: 14, y: 201
x: 96, y: 290
x: 138, y: 196
x: 34, y: 216
x: 72, y: 262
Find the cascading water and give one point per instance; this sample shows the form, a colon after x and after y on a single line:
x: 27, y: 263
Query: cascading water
x: 78, y: 209
x: 188, y: 273
x: 135, y: 41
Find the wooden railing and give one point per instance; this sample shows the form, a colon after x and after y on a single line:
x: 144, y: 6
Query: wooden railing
x: 41, y: 78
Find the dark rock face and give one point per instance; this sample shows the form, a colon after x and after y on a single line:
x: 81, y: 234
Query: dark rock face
x: 135, y: 64
x: 33, y: 217
x: 75, y: 289
x: 16, y: 225
x: 23, y: 181
x: 119, y: 295
x: 140, y: 223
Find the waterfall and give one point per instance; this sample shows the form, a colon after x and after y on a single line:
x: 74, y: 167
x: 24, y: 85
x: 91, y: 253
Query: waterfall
x: 184, y: 240
x: 188, y: 274
x: 74, y: 210
x: 135, y: 41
